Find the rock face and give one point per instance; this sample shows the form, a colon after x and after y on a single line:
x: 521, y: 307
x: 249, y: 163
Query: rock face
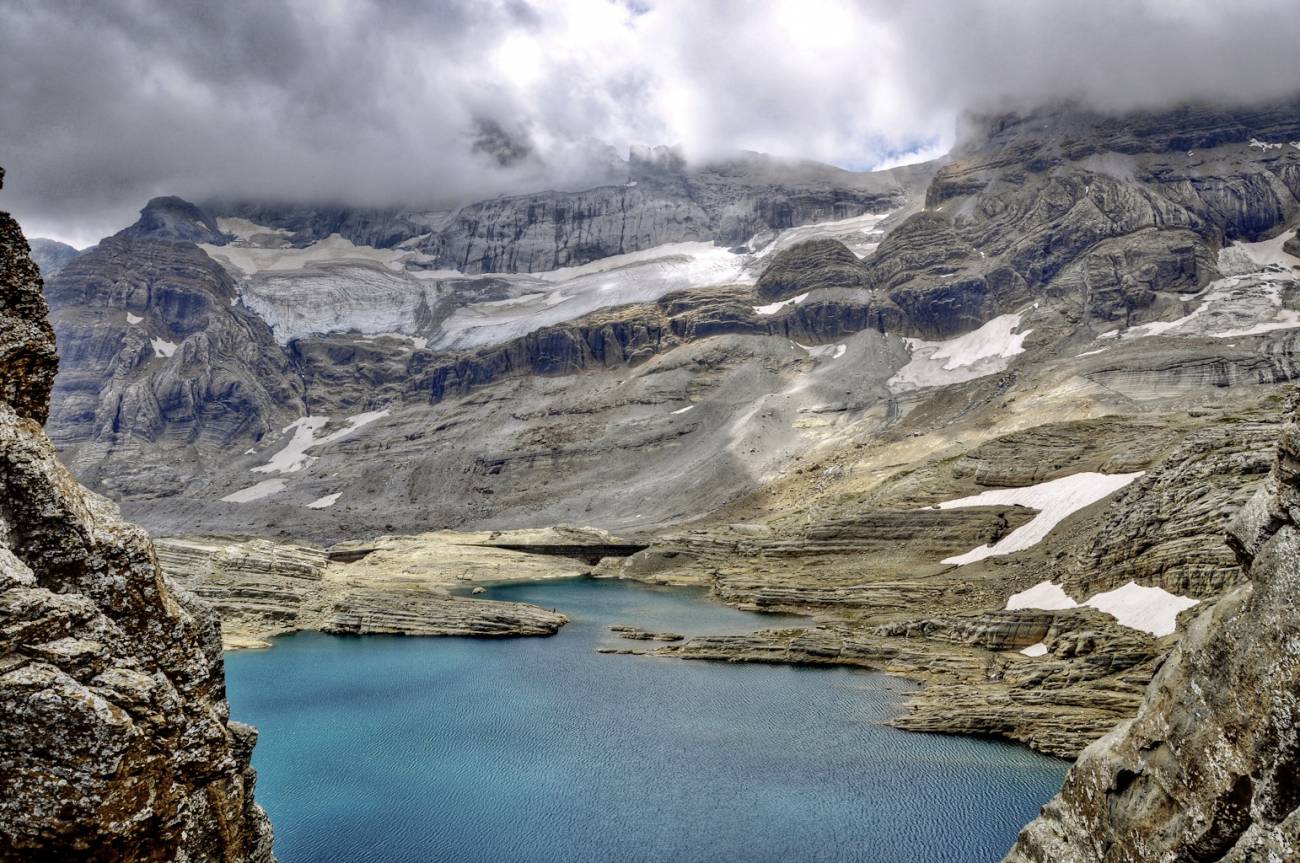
x: 115, y: 737
x: 661, y: 201
x: 153, y: 345
x: 1207, y: 771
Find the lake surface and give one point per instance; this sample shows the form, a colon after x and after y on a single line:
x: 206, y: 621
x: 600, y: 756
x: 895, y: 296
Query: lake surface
x: 399, y: 749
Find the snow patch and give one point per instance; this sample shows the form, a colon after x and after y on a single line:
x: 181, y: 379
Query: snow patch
x: 162, y: 347
x: 250, y: 260
x: 326, y: 501
x: 1263, y: 146
x: 1055, y: 501
x: 1039, y: 649
x: 773, y: 308
x: 683, y: 410
x: 860, y: 233
x: 1045, y: 595
x: 1149, y: 609
x: 246, y: 230
x: 981, y: 352
x: 265, y: 488
x: 294, y: 458
x: 133, y: 319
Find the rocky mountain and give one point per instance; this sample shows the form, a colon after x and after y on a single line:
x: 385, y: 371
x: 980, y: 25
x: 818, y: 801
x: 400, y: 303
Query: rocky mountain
x: 51, y: 255
x: 115, y: 737
x: 965, y: 418
x: 661, y: 200
x: 1207, y: 769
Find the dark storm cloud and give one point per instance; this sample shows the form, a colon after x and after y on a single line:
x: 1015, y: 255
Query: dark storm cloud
x: 103, y: 104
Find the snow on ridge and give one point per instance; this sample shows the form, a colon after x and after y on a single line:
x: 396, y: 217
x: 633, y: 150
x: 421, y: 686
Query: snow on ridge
x: 773, y: 308
x: 1150, y: 609
x: 983, y: 351
x: 1055, y: 501
x: 293, y: 457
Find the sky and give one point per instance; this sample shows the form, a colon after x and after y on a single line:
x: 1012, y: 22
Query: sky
x: 105, y: 104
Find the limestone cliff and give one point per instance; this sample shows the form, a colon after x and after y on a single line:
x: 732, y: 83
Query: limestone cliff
x: 1209, y: 770
x: 115, y: 737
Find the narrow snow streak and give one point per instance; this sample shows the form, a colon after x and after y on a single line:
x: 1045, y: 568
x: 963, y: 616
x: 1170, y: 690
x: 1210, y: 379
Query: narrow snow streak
x: 773, y: 308
x: 1055, y: 501
x: 326, y: 501
x: 293, y: 457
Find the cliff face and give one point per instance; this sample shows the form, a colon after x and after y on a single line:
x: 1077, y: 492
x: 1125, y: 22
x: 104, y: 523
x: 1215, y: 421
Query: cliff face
x: 115, y: 738
x: 1209, y: 770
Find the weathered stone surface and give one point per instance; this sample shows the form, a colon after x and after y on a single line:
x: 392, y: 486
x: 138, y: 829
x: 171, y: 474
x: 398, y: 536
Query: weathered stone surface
x: 115, y: 739
x: 811, y: 265
x: 389, y: 585
x: 1207, y: 770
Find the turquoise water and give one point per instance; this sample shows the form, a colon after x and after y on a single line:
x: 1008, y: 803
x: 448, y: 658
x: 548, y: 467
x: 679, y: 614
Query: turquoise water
x: 450, y: 749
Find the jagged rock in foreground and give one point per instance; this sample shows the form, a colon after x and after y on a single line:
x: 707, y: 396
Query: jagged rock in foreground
x: 1209, y: 770
x: 115, y: 737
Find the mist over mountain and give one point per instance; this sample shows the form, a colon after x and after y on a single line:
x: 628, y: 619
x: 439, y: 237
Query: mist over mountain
x: 431, y: 105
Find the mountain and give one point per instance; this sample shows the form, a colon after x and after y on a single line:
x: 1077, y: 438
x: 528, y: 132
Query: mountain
x: 51, y: 255
x: 854, y: 396
x: 115, y: 737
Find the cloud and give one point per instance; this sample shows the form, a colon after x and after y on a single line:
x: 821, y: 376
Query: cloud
x: 105, y: 104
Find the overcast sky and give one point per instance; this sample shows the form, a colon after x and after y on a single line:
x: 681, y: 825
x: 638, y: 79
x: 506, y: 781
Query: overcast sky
x: 106, y: 103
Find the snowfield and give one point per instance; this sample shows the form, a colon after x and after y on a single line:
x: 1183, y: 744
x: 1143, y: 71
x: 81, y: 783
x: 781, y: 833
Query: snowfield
x: 1055, y: 500
x: 335, y: 286
x: 265, y: 488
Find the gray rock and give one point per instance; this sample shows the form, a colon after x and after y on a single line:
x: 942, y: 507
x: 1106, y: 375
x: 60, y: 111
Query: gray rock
x: 115, y: 740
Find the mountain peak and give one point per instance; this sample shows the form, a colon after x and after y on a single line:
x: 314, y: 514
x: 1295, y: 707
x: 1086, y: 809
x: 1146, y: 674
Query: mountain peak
x: 175, y: 219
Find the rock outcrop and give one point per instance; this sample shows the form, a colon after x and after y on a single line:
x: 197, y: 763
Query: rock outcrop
x: 1207, y: 770
x: 388, y: 585
x: 153, y: 344
x: 115, y: 737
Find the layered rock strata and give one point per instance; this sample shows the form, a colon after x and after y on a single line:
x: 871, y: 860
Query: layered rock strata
x: 1207, y: 770
x: 389, y: 585
x: 115, y: 737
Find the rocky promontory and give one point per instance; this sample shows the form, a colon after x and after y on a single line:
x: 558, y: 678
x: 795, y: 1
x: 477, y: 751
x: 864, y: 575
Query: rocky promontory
x: 115, y: 737
x: 398, y: 585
